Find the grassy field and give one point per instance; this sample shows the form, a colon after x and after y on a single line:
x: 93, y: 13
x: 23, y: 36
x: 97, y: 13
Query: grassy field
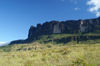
x: 36, y: 54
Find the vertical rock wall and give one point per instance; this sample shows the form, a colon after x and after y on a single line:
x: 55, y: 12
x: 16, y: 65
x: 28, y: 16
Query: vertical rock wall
x: 70, y: 26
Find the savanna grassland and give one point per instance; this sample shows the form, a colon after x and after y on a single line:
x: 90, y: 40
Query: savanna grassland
x: 36, y: 54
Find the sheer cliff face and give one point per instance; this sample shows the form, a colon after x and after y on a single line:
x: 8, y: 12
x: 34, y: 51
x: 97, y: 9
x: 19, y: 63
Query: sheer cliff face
x: 71, y: 26
x: 56, y: 29
x: 46, y: 29
x: 89, y: 25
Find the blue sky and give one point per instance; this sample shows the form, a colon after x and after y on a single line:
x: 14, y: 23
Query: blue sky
x: 16, y: 16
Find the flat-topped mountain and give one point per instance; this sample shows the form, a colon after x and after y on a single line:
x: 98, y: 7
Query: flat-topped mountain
x: 64, y: 27
x: 70, y: 26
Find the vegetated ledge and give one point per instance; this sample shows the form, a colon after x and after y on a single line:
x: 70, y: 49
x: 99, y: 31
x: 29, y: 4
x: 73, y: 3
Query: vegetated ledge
x: 81, y: 27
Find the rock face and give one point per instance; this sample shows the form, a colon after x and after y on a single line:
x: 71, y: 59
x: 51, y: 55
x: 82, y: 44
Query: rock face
x: 46, y: 29
x: 69, y: 26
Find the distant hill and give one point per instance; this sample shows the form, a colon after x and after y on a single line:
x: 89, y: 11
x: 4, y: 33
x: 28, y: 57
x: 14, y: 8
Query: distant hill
x: 88, y: 29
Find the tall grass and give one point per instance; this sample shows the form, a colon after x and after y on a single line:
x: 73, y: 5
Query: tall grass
x: 51, y: 55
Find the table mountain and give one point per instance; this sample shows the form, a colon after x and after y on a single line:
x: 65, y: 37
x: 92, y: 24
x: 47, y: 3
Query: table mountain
x: 64, y: 27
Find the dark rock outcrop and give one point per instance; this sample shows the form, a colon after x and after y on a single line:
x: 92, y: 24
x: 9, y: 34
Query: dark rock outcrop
x: 46, y: 29
x: 69, y: 26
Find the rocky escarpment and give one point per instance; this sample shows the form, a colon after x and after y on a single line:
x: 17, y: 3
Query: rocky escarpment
x: 46, y: 29
x: 69, y: 26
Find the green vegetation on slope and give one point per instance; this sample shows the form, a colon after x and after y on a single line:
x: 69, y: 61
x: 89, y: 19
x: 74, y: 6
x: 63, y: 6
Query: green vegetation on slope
x: 87, y: 38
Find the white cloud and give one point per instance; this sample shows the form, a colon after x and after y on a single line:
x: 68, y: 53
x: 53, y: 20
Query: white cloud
x: 94, y: 6
x: 76, y: 8
x: 4, y: 43
x: 74, y: 1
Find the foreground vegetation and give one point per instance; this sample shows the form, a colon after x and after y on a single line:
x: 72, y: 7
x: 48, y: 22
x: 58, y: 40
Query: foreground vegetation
x: 36, y: 54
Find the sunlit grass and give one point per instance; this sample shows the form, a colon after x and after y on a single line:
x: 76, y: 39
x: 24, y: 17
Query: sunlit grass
x: 51, y: 55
